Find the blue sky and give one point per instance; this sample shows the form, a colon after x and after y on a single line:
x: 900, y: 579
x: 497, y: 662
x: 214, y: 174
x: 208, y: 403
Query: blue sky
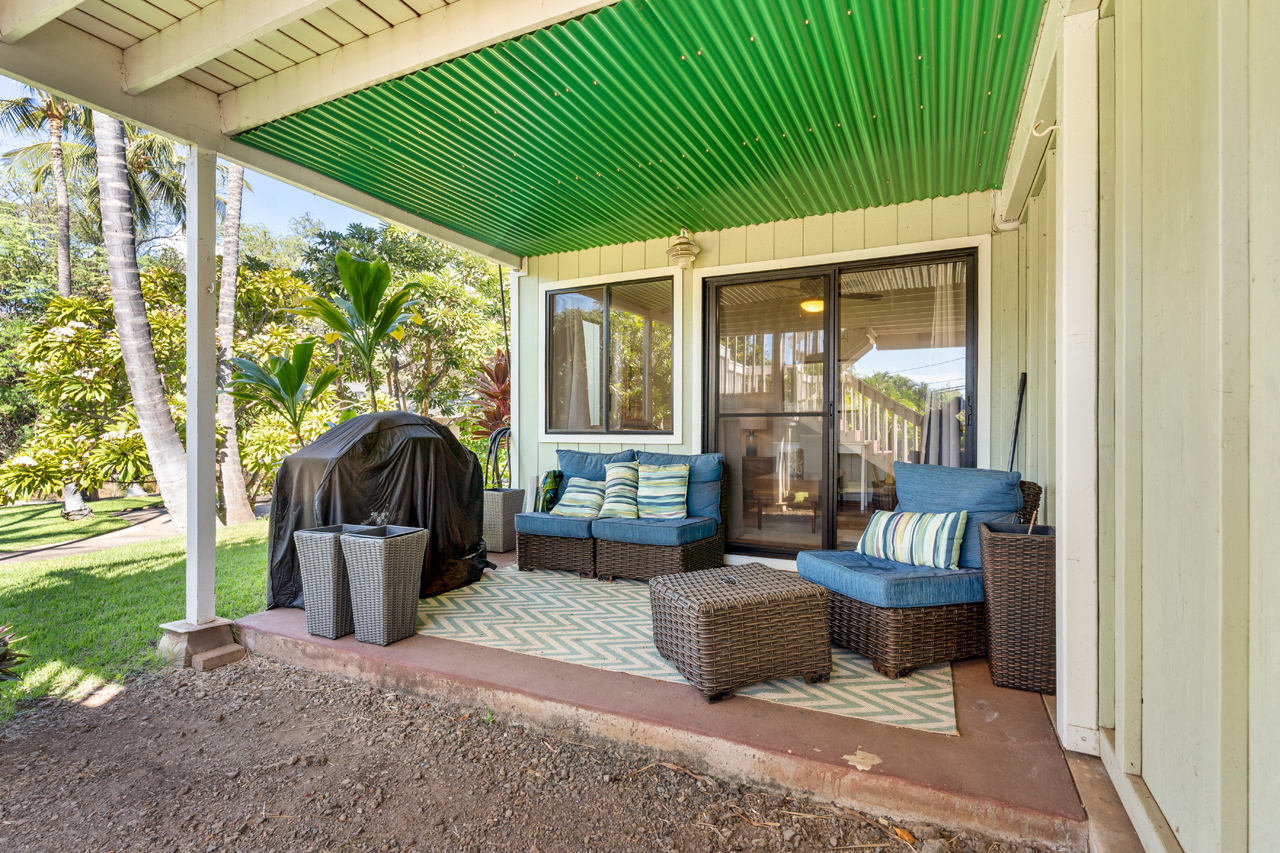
x: 271, y: 203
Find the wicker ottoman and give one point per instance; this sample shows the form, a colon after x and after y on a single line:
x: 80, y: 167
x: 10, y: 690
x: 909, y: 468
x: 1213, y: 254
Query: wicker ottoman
x: 729, y: 627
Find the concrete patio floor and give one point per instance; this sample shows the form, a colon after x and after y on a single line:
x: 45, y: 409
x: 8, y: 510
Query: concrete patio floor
x: 1005, y: 775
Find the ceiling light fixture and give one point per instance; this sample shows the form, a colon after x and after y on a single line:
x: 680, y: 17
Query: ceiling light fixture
x: 813, y: 306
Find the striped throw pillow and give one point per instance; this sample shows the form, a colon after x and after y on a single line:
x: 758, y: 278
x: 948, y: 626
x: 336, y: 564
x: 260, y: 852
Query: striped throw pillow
x: 664, y: 491
x: 581, y: 499
x: 915, y: 538
x: 621, y: 486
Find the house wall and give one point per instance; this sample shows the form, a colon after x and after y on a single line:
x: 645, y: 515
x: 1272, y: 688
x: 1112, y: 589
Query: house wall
x: 1195, y: 647
x: 906, y: 228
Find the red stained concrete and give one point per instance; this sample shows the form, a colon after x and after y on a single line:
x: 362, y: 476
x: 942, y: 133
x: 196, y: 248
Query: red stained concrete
x: 1005, y: 774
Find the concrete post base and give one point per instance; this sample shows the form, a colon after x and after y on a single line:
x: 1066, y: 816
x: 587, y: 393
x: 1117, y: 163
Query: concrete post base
x: 182, y: 640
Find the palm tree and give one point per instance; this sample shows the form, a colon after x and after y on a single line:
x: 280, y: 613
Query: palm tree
x: 365, y: 320
x: 282, y: 384
x: 168, y: 457
x: 39, y: 112
x: 234, y: 493
x: 156, y: 173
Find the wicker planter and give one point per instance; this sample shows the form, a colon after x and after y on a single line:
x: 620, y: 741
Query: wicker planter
x: 1018, y: 574
x: 729, y: 627
x: 384, y: 565
x: 326, y: 594
x: 500, y: 509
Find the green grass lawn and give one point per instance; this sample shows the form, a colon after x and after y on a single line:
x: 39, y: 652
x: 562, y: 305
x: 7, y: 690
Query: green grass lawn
x: 94, y: 619
x: 33, y: 525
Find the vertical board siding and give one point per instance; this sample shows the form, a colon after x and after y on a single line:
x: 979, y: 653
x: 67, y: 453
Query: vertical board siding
x: 1264, y: 399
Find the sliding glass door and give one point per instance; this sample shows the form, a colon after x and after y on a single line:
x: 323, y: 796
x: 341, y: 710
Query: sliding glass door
x: 819, y: 379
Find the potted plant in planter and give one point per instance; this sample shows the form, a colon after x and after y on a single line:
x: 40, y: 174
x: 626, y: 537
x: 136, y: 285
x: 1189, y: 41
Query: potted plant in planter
x: 493, y: 387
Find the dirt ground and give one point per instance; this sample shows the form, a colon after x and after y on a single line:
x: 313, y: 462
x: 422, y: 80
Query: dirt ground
x: 259, y: 756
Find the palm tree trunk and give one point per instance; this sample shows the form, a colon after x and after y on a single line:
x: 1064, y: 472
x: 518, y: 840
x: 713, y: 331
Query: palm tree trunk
x: 63, y: 206
x: 73, y: 506
x: 239, y: 510
x: 167, y: 455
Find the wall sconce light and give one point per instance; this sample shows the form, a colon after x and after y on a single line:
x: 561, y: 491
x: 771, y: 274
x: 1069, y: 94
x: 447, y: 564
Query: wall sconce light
x: 813, y: 306
x: 683, y: 250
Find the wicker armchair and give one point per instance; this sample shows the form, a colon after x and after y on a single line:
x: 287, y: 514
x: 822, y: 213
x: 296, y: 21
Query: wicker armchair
x: 900, y: 639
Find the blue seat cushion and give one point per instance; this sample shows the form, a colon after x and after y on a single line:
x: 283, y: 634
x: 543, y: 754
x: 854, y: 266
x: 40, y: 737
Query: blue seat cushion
x: 706, y: 473
x: 884, y: 583
x: 546, y: 524
x: 588, y: 466
x: 988, y: 496
x: 654, y: 531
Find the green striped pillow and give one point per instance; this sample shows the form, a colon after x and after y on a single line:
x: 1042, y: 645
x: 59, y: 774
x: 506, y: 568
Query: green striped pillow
x: 915, y: 538
x: 664, y: 491
x: 581, y: 499
x: 621, y: 485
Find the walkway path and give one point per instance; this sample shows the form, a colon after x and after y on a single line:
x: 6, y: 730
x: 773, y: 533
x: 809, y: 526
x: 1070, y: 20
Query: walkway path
x: 146, y: 524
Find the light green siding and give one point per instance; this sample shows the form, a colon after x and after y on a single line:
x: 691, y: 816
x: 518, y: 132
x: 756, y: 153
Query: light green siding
x: 1264, y: 419
x: 1195, y: 375
x: 908, y: 225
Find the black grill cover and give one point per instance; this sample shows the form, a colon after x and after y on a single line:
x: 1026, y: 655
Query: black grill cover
x: 382, y: 468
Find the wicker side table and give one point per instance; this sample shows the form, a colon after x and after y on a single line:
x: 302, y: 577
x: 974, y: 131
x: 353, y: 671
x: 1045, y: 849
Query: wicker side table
x: 384, y: 565
x: 729, y: 627
x: 1019, y: 567
x: 326, y: 595
x: 500, y: 509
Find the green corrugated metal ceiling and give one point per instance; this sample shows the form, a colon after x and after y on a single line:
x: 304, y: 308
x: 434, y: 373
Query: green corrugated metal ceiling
x: 650, y: 115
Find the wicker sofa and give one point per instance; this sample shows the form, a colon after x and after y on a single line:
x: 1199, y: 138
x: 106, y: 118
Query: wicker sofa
x: 903, y: 617
x: 639, y: 548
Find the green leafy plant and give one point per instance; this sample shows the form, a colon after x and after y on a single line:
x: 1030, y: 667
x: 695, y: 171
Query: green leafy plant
x: 10, y: 658
x: 282, y: 384
x: 367, y: 318
x: 489, y: 719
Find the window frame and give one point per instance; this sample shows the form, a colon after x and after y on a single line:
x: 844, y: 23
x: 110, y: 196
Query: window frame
x: 606, y: 283
x: 712, y: 280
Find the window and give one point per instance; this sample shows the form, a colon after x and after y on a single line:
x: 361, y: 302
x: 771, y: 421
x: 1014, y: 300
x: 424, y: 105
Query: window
x: 609, y: 358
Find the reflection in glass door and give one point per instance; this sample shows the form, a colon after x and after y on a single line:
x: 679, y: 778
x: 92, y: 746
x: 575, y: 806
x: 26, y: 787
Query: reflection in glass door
x: 810, y: 431
x: 903, y: 389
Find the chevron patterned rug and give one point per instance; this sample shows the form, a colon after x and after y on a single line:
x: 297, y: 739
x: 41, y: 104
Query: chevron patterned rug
x: 609, y: 626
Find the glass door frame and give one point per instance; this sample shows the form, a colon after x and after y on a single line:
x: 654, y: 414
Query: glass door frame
x: 831, y: 367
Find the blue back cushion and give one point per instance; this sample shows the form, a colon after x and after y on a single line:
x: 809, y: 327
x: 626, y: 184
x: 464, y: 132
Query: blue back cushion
x: 588, y: 466
x: 706, y: 473
x: 988, y: 496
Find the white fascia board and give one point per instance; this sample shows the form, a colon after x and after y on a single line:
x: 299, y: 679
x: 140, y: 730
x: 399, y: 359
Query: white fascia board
x: 216, y: 29
x: 438, y: 36
x: 20, y: 18
x: 74, y: 65
x: 1039, y: 107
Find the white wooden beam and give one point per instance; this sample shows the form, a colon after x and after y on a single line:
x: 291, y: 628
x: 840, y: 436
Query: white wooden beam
x: 202, y: 397
x: 73, y: 64
x: 1038, y: 108
x: 1076, y: 383
x: 438, y: 36
x: 20, y: 18
x: 214, y: 30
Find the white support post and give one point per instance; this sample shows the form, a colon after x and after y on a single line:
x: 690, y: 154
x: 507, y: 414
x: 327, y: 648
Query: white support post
x: 201, y: 386
x: 1076, y: 469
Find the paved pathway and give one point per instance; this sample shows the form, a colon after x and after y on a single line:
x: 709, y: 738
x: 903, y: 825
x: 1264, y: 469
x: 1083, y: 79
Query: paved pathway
x: 146, y: 524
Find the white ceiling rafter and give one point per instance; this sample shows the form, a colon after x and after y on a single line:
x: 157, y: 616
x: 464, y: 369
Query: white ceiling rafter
x: 215, y: 30
x: 437, y: 36
x: 72, y: 64
x: 20, y: 18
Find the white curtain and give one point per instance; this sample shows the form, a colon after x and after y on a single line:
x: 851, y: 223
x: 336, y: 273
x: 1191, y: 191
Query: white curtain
x: 942, y: 425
